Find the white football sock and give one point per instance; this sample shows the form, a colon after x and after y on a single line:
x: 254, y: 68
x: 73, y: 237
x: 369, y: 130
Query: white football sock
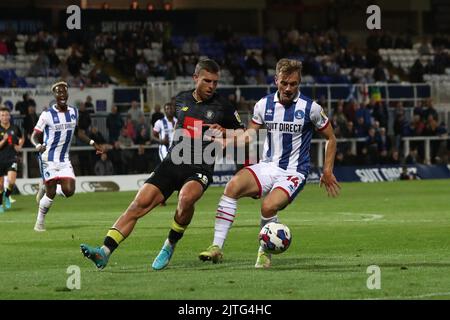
x: 265, y: 221
x: 225, y: 214
x: 44, y: 206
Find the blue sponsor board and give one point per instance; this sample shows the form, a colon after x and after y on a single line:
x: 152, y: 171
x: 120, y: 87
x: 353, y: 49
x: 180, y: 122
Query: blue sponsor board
x: 389, y: 172
x: 361, y: 173
x: 220, y: 178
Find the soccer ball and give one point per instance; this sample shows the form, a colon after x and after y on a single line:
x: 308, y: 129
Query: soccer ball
x: 275, y: 237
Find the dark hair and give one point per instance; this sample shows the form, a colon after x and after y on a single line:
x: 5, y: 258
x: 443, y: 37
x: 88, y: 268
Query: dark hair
x: 5, y: 109
x: 208, y: 65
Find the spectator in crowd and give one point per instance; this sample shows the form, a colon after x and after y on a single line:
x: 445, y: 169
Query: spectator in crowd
x: 40, y: 67
x: 157, y: 114
x: 29, y: 122
x: 372, y: 143
x: 115, y: 154
x: 143, y: 136
x: 22, y: 106
x: 84, y: 118
x: 380, y: 113
x: 341, y: 119
x: 383, y: 157
x: 141, y: 161
x: 434, y: 129
x: 99, y: 78
x: 339, y: 160
x: 395, y: 157
x: 125, y: 141
x: 429, y: 110
x: 142, y: 71
x: 114, y: 124
x: 384, y: 142
x: 135, y: 112
x: 89, y: 105
x: 412, y: 157
x: 104, y: 166
x: 417, y: 126
x: 416, y: 72
x: 130, y: 128
x: 96, y: 135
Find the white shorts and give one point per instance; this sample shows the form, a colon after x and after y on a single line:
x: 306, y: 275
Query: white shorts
x: 270, y: 177
x: 57, y: 170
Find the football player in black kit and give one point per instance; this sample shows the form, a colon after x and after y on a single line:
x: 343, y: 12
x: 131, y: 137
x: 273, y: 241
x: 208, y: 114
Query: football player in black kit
x: 11, y: 141
x: 197, y: 111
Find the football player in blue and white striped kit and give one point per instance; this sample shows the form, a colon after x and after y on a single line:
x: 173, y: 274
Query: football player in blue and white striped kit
x: 52, y: 137
x: 290, y: 119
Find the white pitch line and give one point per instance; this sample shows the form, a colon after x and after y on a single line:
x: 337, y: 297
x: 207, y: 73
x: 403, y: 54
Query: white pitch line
x: 369, y: 216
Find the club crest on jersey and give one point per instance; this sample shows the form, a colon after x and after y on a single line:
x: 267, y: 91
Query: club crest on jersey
x: 209, y: 114
x: 299, y: 114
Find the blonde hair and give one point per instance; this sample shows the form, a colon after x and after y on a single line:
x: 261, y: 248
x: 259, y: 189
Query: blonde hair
x: 288, y: 66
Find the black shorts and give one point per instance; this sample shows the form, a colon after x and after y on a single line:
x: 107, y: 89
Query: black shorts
x: 7, y: 166
x: 169, y: 177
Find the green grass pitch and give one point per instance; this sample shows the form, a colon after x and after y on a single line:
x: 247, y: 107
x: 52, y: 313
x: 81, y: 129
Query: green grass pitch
x: 402, y: 227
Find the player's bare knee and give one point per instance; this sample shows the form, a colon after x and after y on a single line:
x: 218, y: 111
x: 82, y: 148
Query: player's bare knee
x: 268, y: 209
x: 233, y: 188
x: 185, y: 201
x: 51, y: 193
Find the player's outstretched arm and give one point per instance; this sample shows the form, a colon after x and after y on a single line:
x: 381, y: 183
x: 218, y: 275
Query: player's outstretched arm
x: 239, y: 137
x: 83, y: 137
x: 328, y: 179
x: 36, y: 139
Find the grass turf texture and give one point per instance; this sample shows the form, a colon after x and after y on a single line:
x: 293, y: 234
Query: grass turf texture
x: 402, y: 227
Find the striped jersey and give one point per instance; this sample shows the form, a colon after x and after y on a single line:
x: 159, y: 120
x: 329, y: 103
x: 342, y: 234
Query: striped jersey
x: 289, y: 130
x: 165, y: 128
x: 58, y: 128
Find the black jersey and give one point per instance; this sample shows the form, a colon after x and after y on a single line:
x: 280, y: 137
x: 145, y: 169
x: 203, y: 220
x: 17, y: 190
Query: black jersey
x: 7, y: 151
x: 192, y: 115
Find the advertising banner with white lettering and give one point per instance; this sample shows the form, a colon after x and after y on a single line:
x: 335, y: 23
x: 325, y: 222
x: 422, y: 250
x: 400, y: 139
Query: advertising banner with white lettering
x: 102, y: 98
x: 390, y: 172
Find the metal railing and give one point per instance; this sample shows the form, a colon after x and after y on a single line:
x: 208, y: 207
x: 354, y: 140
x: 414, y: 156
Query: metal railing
x: 427, y: 145
x: 320, y: 150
